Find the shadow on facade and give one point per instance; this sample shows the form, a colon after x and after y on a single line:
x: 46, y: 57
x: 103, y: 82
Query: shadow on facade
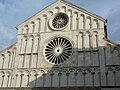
x: 83, y: 73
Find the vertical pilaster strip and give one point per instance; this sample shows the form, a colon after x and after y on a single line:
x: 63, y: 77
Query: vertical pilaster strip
x: 8, y: 76
x: 84, y: 74
x: 75, y: 74
x: 21, y: 79
x: 59, y: 75
x: 93, y: 78
x: 3, y: 60
x: 9, y: 59
x: 102, y: 66
x: 83, y: 47
x: 51, y: 79
x: 71, y: 22
x: 2, y: 80
x: 67, y: 74
x: 33, y: 27
x: 44, y: 79
x: 77, y: 36
x: 31, y: 56
x: 38, y: 53
x: 39, y: 27
x: 45, y: 24
x: 84, y: 23
x: 15, y: 53
x: 25, y: 52
x: 77, y: 22
x: 26, y: 42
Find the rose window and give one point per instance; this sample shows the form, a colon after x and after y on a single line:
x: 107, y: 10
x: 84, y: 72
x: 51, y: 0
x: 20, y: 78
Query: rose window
x: 58, y: 21
x: 58, y: 50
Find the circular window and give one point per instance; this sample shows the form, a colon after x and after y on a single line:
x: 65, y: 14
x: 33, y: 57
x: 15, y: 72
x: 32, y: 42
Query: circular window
x: 59, y: 21
x: 58, y: 50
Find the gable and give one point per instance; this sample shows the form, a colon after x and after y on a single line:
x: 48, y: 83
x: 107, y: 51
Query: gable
x: 78, y: 18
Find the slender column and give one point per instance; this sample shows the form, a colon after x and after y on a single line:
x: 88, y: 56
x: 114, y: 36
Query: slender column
x: 25, y: 52
x: 38, y: 53
x: 31, y: 56
x: 51, y: 79
x: 44, y: 79
x: 59, y: 75
x: 36, y: 77
x: 15, y: 53
x: 84, y: 74
x: 77, y: 22
x: 77, y: 49
x: 71, y: 22
x: 39, y: 27
x: 3, y: 59
x: 84, y: 23
x: 20, y: 45
x: 8, y: 76
x: 75, y: 74
x: 33, y: 27
x: 9, y: 59
x: 45, y: 24
x: 21, y: 79
x: 93, y: 74
x: 67, y: 74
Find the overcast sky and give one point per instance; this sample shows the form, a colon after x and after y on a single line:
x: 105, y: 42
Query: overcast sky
x: 14, y: 12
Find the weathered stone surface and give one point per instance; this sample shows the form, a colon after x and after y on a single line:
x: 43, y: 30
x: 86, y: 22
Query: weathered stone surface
x: 89, y: 59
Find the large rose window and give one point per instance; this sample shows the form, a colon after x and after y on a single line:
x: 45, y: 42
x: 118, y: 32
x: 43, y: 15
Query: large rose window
x: 58, y: 50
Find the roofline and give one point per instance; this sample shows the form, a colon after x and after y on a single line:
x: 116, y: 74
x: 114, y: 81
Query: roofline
x: 83, y: 10
x: 114, y: 43
x: 35, y: 14
x: 67, y: 3
x: 8, y: 48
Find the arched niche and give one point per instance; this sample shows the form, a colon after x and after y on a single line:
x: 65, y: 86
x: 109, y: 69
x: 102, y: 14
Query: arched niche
x: 44, y: 23
x: 80, y: 40
x: 69, y: 13
x: 88, y: 22
x: 75, y: 20
x: 25, y: 29
x: 50, y: 13
x: 94, y: 43
x: 29, y: 44
x: 95, y: 24
x: 63, y: 9
x: 108, y: 50
x: 33, y: 78
x: 87, y: 39
x: 2, y: 75
x: 116, y: 56
x: 57, y: 9
x: 31, y: 27
x: 23, y: 44
x: 82, y: 21
x: 38, y: 25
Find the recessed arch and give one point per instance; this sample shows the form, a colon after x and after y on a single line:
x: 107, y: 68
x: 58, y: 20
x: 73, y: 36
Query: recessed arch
x: 95, y: 23
x: 63, y: 8
x: 51, y: 13
x: 69, y: 11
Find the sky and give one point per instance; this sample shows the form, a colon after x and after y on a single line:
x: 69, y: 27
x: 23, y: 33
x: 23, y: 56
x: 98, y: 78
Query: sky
x: 14, y: 12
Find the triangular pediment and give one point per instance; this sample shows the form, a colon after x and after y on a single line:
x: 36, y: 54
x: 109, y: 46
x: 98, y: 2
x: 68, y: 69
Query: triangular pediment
x: 60, y: 6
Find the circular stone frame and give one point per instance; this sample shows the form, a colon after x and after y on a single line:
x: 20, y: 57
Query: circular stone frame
x: 59, y: 21
x: 58, y: 50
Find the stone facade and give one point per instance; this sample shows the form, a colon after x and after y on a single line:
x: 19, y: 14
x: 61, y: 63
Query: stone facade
x: 62, y: 46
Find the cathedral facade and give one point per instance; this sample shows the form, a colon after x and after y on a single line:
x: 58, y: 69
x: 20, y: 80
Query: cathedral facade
x: 63, y: 47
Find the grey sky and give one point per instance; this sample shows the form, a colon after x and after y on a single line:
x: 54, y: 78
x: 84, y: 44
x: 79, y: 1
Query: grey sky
x: 14, y: 12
